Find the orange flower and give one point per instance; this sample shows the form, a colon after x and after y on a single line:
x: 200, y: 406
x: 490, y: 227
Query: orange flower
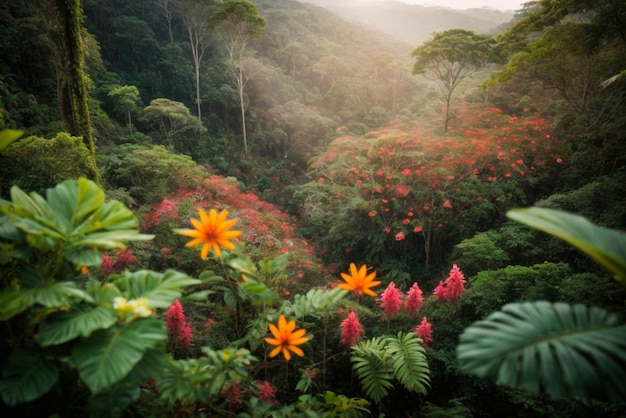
x: 359, y: 281
x: 286, y: 339
x: 212, y: 231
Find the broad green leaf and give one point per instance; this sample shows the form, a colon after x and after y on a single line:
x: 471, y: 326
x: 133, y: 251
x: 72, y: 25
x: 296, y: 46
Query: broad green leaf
x: 26, y: 377
x: 209, y: 276
x: 108, y: 356
x: 61, y: 327
x: 159, y: 289
x: 33, y: 205
x: 200, y: 296
x: 244, y: 265
x: 151, y: 331
x: 256, y: 292
x: 8, y: 136
x: 606, y: 246
x: 273, y: 266
x: 13, y: 302
x: 556, y: 348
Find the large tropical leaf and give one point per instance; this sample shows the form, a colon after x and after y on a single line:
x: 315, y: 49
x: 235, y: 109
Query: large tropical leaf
x: 408, y: 359
x: 79, y: 322
x: 556, y: 348
x: 159, y: 289
x: 26, y: 377
x: 108, y: 356
x: 604, y: 245
x: 75, y: 218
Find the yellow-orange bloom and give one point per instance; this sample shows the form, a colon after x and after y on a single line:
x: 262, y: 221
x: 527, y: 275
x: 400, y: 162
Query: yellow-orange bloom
x: 358, y: 281
x: 212, y: 231
x: 286, y: 339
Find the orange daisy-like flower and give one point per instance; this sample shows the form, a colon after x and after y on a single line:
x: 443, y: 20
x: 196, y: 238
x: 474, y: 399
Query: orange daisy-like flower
x: 358, y: 281
x: 212, y: 231
x: 286, y: 339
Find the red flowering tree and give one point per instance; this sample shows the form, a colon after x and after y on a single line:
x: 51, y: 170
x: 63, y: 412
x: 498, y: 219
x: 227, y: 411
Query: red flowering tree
x: 425, y: 332
x: 414, y: 300
x: 390, y: 300
x: 407, y: 193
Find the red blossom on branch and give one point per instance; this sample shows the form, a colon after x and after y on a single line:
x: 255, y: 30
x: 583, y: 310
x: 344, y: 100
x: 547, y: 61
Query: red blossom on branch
x: 351, y: 330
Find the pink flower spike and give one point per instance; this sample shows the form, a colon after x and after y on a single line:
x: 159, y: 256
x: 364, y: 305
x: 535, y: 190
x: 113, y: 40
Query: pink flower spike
x: 176, y: 324
x: 351, y: 330
x: 425, y: 332
x: 455, y: 284
x: 440, y: 292
x: 414, y: 300
x: 391, y: 300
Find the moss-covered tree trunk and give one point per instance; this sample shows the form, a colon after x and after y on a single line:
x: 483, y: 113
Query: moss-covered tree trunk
x: 74, y: 78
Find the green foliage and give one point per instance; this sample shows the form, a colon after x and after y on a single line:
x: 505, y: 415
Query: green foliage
x: 101, y: 337
x: 560, y: 349
x: 35, y: 163
x: 605, y: 246
x: 379, y: 360
x: 148, y: 173
x: 344, y: 407
x: 8, y: 136
x: 317, y: 302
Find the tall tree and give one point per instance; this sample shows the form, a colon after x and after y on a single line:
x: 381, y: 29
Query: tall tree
x: 237, y: 22
x: 195, y: 14
x: 451, y: 57
x: 72, y: 77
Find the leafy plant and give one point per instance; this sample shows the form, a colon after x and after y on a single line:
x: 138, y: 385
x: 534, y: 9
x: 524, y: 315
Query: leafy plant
x: 379, y: 360
x: 559, y: 349
x: 102, y: 337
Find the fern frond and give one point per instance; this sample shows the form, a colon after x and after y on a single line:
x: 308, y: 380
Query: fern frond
x: 408, y: 359
x: 373, y: 368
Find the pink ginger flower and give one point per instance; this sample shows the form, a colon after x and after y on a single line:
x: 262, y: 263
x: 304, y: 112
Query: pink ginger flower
x: 424, y: 331
x: 400, y: 236
x: 267, y: 393
x: 440, y: 292
x: 414, y: 300
x: 351, y: 330
x: 177, y: 327
x: 455, y: 284
x: 391, y: 300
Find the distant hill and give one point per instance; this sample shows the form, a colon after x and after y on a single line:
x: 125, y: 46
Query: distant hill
x: 415, y: 24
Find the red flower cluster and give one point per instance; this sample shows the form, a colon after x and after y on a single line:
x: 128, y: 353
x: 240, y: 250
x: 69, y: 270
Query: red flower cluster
x: 351, y: 330
x: 267, y: 393
x: 116, y: 263
x: 453, y: 287
x: 177, y: 328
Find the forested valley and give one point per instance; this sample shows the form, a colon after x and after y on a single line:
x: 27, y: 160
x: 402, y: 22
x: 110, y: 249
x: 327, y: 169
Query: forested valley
x: 262, y: 209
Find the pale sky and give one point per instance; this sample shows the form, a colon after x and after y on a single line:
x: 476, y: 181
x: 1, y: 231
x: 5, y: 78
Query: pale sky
x: 469, y: 4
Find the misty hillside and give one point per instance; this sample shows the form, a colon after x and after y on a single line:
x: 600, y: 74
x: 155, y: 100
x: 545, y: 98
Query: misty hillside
x: 414, y: 24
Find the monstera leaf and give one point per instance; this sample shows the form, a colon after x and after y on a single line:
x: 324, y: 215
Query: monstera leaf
x: 606, y: 246
x: 554, y: 348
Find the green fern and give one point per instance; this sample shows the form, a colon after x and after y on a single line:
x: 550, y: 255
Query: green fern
x: 380, y: 360
x: 409, y: 362
x: 373, y: 367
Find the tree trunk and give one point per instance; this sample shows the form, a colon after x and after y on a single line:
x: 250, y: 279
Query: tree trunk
x: 70, y: 23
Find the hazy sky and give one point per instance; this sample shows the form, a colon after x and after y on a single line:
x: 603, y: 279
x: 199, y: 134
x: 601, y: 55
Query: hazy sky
x: 468, y: 4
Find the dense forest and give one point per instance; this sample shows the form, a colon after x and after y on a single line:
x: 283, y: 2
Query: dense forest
x: 263, y: 209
